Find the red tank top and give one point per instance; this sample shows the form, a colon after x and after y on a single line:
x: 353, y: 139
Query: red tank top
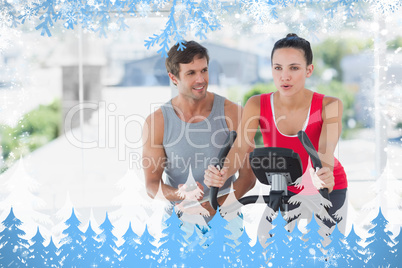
x: 273, y: 138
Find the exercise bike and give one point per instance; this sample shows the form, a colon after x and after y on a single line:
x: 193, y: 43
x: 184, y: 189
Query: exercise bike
x: 278, y: 167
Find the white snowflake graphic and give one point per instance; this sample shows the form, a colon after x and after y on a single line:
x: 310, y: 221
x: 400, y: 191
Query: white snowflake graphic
x: 144, y: 9
x: 165, y: 252
x: 385, y: 6
x: 330, y: 259
x: 5, y: 19
x: 259, y: 11
x: 27, y: 12
x: 71, y: 17
x: 313, y: 255
x: 334, y: 24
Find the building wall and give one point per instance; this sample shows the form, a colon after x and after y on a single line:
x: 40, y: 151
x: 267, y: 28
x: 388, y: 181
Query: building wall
x: 70, y: 95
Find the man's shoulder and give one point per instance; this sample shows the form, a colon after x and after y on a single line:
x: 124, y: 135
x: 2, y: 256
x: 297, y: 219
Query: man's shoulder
x: 153, y: 128
x: 155, y: 118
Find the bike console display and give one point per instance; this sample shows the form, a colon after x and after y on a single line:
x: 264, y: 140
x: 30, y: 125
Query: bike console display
x: 269, y: 161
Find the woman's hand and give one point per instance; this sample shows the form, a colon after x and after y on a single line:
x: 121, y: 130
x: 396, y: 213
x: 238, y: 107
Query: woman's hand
x: 323, y: 178
x: 207, y: 206
x: 214, y: 177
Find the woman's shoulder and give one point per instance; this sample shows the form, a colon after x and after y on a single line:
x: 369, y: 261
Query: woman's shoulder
x: 332, y: 108
x: 260, y: 97
x: 327, y: 100
x: 253, y: 105
x: 255, y: 100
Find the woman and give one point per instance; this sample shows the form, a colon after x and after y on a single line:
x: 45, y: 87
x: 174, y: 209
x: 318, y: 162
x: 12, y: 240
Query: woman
x: 283, y: 113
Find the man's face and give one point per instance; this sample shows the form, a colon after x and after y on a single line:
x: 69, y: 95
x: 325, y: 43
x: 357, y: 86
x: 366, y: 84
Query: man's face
x: 193, y: 79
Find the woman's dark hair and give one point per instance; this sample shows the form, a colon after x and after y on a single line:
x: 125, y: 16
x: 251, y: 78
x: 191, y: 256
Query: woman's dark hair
x: 293, y: 41
x: 176, y: 56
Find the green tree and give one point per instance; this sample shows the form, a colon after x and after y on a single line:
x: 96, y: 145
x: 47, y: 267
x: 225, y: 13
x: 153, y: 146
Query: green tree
x: 34, y: 130
x: 395, y: 43
x: 258, y: 89
x: 346, y: 95
x: 331, y: 51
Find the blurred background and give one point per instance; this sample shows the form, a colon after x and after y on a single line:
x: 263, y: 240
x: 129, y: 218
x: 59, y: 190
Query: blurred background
x: 58, y: 152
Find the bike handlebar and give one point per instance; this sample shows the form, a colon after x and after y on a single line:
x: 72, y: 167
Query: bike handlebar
x: 315, y: 159
x: 213, y: 193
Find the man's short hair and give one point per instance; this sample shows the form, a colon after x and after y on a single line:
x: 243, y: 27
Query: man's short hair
x: 175, y: 56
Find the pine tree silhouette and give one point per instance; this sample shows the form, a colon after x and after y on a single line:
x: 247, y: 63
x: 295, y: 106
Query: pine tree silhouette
x: 297, y: 252
x: 279, y: 248
x: 37, y: 256
x: 71, y: 250
x: 90, y: 245
x: 13, y: 247
x: 52, y: 257
x: 260, y: 254
x: 147, y: 250
x: 244, y: 254
x: 171, y: 251
x: 354, y: 253
x: 314, y: 248
x: 220, y: 251
x: 194, y: 253
x: 108, y: 256
x: 60, y: 217
x: 129, y: 249
x: 18, y: 193
x: 235, y: 226
x: 134, y: 204
x: 270, y: 245
x: 397, y: 249
x: 380, y: 243
x: 336, y: 254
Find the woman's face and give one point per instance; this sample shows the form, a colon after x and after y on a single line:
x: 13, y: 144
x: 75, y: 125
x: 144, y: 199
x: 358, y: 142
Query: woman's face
x: 290, y: 70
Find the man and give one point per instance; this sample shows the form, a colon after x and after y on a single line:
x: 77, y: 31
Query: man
x: 186, y: 134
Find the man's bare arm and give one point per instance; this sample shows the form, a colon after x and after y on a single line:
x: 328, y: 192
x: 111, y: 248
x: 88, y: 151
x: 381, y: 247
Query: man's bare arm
x: 154, y: 157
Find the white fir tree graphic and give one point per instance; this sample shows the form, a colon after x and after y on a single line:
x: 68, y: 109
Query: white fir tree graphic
x: 134, y: 204
x: 233, y: 216
x: 159, y: 211
x: 263, y: 225
x: 388, y: 198
x: 18, y: 191
x: 231, y: 208
x: 190, y: 207
x: 60, y: 217
x: 93, y: 222
x: 309, y: 199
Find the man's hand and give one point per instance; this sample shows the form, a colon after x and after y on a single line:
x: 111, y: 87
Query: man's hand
x: 323, y: 178
x: 194, y: 194
x: 191, y: 205
x: 195, y: 208
x: 214, y: 177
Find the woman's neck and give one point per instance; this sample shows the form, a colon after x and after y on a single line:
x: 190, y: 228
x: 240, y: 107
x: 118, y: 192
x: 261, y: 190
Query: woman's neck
x: 294, y: 102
